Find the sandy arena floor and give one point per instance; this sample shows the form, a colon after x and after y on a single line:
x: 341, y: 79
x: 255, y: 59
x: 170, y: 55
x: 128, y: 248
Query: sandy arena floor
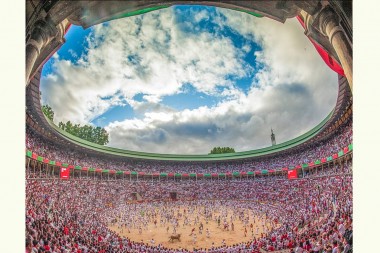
x: 217, y: 234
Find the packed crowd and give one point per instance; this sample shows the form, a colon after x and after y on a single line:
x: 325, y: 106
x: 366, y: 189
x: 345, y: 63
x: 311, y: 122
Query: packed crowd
x: 314, y: 215
x: 325, y: 148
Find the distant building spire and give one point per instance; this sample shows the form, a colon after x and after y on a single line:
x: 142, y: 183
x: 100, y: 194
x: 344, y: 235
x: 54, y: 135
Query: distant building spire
x: 273, y: 137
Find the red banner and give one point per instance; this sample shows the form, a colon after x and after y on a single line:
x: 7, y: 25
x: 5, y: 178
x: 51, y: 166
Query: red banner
x: 65, y: 173
x: 292, y: 174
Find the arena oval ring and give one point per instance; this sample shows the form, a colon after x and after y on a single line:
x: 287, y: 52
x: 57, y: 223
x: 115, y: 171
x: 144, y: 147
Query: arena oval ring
x: 87, y: 213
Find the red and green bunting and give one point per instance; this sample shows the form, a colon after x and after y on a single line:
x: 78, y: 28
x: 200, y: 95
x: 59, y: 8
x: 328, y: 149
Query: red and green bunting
x: 342, y: 152
x: 29, y: 153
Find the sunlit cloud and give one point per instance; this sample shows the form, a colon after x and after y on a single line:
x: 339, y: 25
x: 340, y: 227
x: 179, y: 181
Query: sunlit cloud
x: 291, y: 89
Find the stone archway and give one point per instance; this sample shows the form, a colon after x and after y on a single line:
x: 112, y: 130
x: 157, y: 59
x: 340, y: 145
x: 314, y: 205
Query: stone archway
x: 329, y: 23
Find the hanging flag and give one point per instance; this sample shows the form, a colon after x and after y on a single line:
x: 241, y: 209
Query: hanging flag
x: 340, y: 153
x: 345, y: 150
x: 292, y: 174
x: 334, y: 65
x: 335, y: 156
x: 65, y: 173
x: 34, y: 156
x: 29, y: 153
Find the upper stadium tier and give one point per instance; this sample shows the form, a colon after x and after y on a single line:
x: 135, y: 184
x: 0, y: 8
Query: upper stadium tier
x: 328, y: 25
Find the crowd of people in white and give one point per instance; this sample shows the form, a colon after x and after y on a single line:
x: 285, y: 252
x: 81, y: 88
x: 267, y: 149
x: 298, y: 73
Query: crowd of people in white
x: 314, y: 215
x: 311, y: 214
x: 325, y: 148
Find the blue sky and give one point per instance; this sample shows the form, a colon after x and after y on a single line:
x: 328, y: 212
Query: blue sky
x: 200, y: 75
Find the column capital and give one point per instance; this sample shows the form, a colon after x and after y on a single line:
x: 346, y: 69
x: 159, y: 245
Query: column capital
x: 43, y: 31
x: 325, y: 19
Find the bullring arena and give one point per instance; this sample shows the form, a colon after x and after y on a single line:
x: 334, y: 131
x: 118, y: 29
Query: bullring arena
x: 203, y: 224
x: 295, y: 196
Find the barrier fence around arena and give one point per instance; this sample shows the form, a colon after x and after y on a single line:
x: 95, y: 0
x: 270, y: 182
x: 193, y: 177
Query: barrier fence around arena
x: 38, y: 167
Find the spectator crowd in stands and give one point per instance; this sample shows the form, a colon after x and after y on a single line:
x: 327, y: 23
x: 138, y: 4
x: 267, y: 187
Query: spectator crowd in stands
x: 72, y: 216
x: 315, y: 215
x: 315, y: 151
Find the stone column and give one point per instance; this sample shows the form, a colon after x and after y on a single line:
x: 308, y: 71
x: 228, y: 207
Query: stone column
x: 328, y: 22
x: 43, y: 32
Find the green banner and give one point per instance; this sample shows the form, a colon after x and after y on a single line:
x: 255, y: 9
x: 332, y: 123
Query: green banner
x: 65, y: 165
x: 264, y: 172
x: 164, y: 174
x: 40, y: 158
x: 178, y: 174
x: 133, y: 173
x: 52, y: 162
x: 350, y: 147
x: 250, y: 172
x: 106, y: 171
x: 207, y: 175
x: 77, y: 167
x: 119, y: 172
x: 236, y: 173
x: 193, y: 175
x: 257, y: 15
x: 91, y: 169
x: 305, y: 165
x: 317, y: 162
x: 329, y: 158
x: 29, y: 153
x: 340, y: 153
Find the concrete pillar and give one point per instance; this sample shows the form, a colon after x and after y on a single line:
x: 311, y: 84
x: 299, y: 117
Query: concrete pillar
x: 329, y: 26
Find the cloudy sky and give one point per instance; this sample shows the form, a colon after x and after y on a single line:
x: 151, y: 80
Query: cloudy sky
x: 188, y: 78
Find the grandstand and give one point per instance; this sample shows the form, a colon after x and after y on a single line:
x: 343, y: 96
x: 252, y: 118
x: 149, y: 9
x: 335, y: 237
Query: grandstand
x: 295, y: 196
